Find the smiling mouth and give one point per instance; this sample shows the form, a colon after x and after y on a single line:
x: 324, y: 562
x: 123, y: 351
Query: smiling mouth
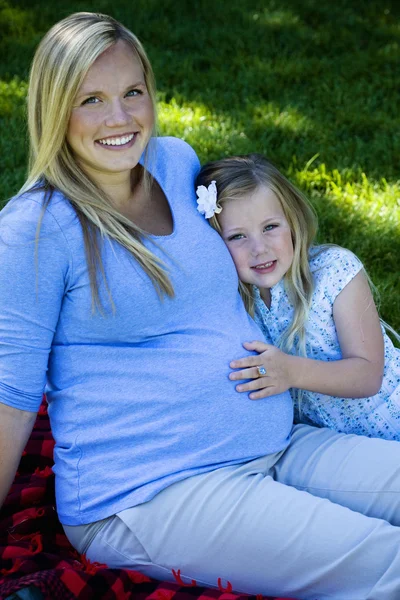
x: 266, y: 265
x: 121, y: 140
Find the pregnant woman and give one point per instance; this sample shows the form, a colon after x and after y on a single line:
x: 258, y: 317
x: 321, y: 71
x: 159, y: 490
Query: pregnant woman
x: 120, y: 301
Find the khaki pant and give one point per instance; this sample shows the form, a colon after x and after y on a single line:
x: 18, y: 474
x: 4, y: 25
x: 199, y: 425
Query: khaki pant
x: 320, y: 520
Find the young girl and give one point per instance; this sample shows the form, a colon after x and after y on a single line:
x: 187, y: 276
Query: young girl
x: 313, y: 304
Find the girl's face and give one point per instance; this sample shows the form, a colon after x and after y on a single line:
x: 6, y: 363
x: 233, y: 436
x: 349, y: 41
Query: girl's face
x: 258, y: 237
x: 112, y: 116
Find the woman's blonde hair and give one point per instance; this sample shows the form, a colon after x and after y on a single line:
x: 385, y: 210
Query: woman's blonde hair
x: 238, y: 176
x: 61, y: 62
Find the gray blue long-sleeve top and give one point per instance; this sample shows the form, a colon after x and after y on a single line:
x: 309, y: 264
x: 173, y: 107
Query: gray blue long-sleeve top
x: 138, y: 398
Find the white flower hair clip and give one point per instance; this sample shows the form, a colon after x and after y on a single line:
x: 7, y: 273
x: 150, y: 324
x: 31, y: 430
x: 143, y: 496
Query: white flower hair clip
x: 207, y: 200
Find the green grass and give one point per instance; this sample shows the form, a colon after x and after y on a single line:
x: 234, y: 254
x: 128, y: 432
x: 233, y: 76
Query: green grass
x: 313, y: 84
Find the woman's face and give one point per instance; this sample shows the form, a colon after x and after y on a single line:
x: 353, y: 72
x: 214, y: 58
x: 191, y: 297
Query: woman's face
x: 112, y: 116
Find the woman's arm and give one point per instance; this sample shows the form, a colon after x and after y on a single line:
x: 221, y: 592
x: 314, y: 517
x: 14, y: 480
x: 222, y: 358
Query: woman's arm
x: 32, y: 283
x: 15, y: 429
x: 357, y: 375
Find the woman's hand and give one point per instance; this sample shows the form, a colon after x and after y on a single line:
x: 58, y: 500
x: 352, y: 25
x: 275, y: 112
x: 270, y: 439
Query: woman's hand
x: 276, y: 363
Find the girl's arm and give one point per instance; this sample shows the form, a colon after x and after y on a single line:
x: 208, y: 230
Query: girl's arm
x: 15, y: 428
x: 357, y: 375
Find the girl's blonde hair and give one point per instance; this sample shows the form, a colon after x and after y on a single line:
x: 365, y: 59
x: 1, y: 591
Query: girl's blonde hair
x: 238, y: 176
x: 61, y: 62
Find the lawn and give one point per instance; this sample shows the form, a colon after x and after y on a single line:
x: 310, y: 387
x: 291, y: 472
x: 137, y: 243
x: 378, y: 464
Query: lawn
x: 313, y: 84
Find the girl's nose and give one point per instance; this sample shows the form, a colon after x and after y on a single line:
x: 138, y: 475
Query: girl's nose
x: 117, y: 115
x: 258, y: 246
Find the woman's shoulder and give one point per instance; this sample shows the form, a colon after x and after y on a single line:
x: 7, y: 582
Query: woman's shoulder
x: 174, y: 149
x: 169, y: 142
x: 20, y: 217
x: 172, y: 160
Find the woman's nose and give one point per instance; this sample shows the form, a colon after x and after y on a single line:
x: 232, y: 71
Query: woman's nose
x: 117, y: 114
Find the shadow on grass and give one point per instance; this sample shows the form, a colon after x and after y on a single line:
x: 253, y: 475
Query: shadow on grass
x: 289, y: 78
x: 297, y: 77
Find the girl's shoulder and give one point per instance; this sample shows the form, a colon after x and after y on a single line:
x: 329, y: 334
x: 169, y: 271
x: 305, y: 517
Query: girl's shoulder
x: 331, y: 257
x: 332, y: 267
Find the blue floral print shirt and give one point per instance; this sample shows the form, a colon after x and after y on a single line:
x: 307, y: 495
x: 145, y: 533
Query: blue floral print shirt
x: 378, y: 416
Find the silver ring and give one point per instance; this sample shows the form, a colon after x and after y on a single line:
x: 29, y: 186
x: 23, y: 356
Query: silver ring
x: 261, y: 371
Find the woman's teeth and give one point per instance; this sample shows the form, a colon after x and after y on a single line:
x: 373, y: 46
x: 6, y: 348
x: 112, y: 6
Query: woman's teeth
x: 117, y: 141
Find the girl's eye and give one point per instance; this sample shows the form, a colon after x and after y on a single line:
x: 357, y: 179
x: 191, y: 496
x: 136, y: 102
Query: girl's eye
x: 91, y: 100
x: 237, y: 236
x: 270, y: 227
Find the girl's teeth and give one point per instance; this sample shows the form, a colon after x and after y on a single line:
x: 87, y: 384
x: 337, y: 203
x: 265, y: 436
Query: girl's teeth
x: 117, y: 141
x: 265, y: 265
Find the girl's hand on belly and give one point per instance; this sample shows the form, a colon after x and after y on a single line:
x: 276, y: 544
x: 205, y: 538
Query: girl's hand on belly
x: 269, y: 372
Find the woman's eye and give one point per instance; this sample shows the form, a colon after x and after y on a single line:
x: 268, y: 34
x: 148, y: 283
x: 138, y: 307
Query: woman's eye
x: 91, y: 100
x: 133, y: 93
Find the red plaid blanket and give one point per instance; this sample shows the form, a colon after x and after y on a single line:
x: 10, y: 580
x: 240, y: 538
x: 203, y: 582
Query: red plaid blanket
x: 35, y: 552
